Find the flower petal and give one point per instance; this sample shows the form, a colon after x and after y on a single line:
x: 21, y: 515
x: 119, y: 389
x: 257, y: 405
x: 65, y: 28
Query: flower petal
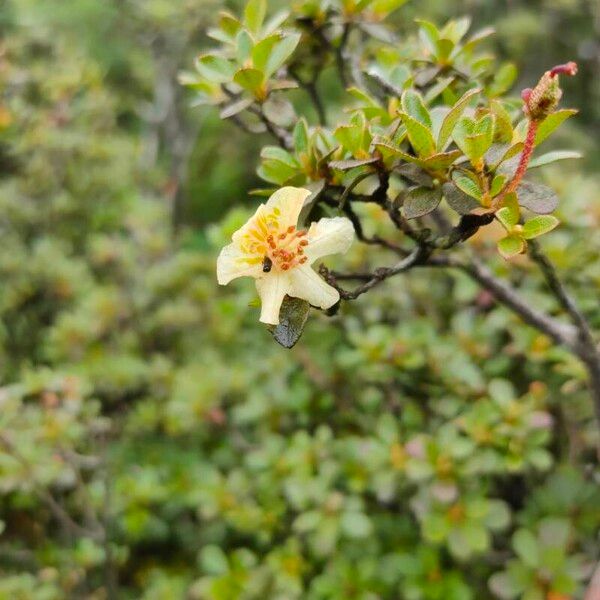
x: 329, y: 236
x: 309, y: 286
x: 287, y: 203
x: 272, y: 290
x: 233, y: 263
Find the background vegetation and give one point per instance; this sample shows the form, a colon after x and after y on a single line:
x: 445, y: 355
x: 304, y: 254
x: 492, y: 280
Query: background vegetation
x: 155, y: 443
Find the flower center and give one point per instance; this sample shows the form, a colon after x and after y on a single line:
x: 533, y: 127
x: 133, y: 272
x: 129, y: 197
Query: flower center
x: 285, y: 249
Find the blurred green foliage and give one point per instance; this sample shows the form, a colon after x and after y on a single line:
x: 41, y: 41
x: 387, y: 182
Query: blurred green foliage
x: 156, y: 444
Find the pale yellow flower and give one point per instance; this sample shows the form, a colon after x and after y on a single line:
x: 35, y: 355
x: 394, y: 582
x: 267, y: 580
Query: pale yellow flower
x: 270, y: 248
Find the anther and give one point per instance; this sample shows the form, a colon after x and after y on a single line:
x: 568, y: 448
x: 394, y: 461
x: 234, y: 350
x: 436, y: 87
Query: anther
x: 291, y: 229
x: 304, y: 243
x: 303, y: 260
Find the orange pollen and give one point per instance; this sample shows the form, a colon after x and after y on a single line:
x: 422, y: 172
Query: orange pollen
x: 285, y: 248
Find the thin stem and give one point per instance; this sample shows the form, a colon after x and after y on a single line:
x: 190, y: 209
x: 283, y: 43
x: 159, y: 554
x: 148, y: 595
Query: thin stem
x: 340, y: 58
x: 526, y: 155
x: 416, y: 257
x: 586, y: 348
x: 310, y: 87
x: 559, y: 290
x: 313, y: 92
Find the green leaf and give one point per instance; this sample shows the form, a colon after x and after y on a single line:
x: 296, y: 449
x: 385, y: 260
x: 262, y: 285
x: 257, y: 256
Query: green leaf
x: 499, y: 154
x: 213, y: 560
x: 301, y: 136
x: 243, y: 46
x: 262, y: 52
x: 413, y: 105
x: 456, y: 29
x: 438, y: 88
x: 307, y: 521
x: 254, y: 14
x: 476, y: 39
x: 452, y: 118
x: 498, y: 184
x: 356, y: 524
x: 474, y: 138
x: 467, y: 185
x: 526, y: 546
x: 292, y: 319
x: 498, y: 516
x: 445, y: 47
x: 429, y: 35
x: 229, y: 24
x: 236, y: 108
x: 552, y: 122
x: 537, y: 198
x: 384, y: 7
x: 420, y: 137
x: 551, y: 157
x: 281, y: 52
x: 277, y: 153
x: 504, y: 586
x: 508, y: 216
x: 511, y: 245
x: 279, y: 173
x: 346, y: 165
x: 539, y: 226
x: 503, y: 80
x: 503, y: 130
x: 249, y: 79
x: 476, y: 536
x: 554, y: 532
x: 415, y: 174
x: 280, y: 111
x: 354, y: 137
x: 215, y: 68
x: 458, y: 201
x: 441, y: 161
x: 421, y: 201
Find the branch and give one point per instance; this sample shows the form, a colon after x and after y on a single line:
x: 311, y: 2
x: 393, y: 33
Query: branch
x: 340, y: 58
x: 561, y: 333
x: 60, y: 514
x: 281, y: 135
x: 558, y: 289
x: 310, y: 87
x: 585, y: 347
x: 416, y: 257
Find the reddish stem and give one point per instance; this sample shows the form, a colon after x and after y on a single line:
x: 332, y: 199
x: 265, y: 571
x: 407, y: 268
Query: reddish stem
x: 523, y: 163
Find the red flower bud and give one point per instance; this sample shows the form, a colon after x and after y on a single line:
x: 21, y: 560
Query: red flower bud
x: 569, y: 69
